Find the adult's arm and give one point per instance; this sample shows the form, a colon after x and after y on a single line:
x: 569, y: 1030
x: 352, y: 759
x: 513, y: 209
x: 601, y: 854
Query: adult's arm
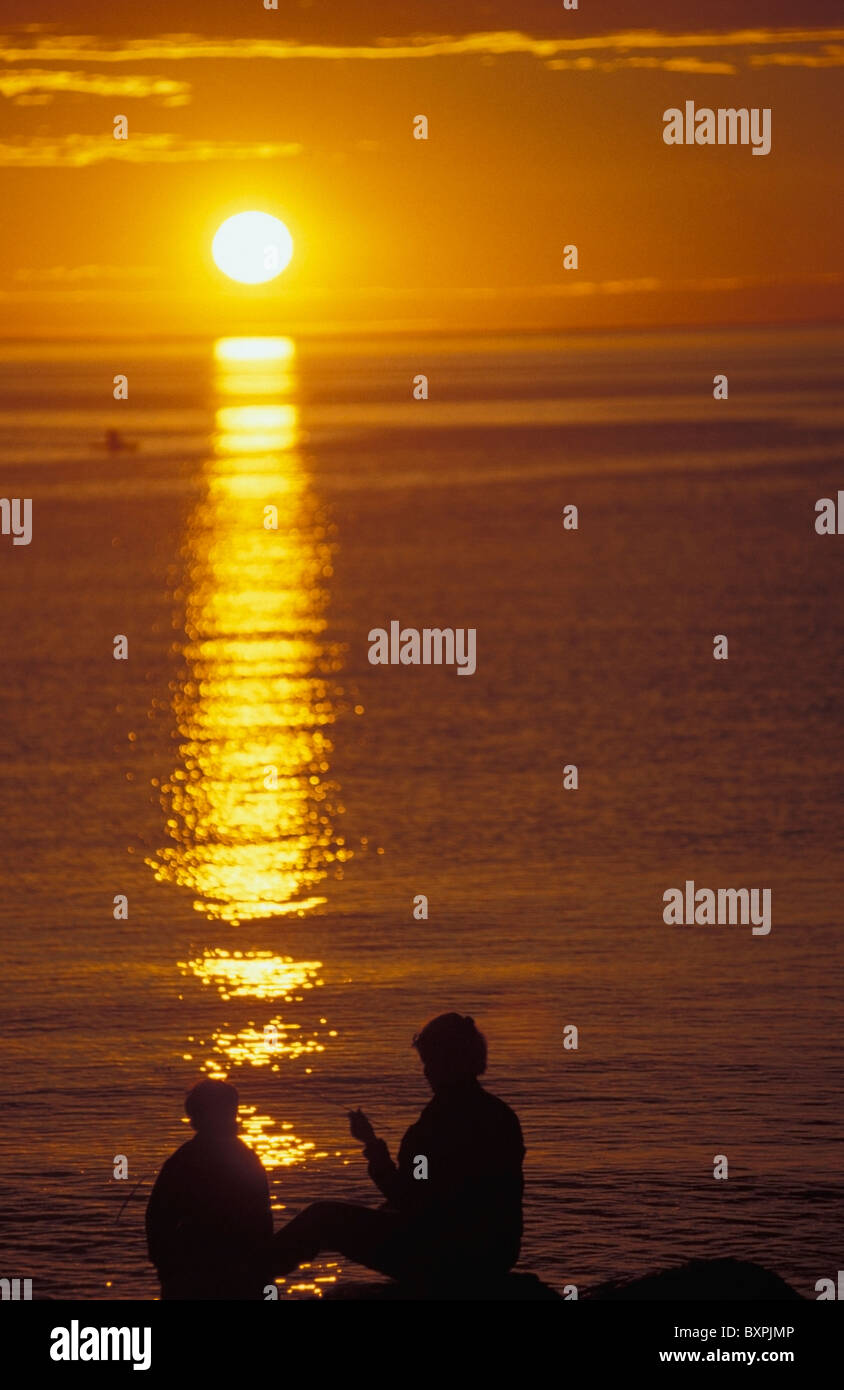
x: 387, y: 1176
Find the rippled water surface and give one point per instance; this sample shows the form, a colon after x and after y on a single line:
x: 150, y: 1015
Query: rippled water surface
x: 270, y: 804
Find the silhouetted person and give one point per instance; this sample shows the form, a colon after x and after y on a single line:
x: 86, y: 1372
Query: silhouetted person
x: 463, y: 1221
x: 208, y: 1220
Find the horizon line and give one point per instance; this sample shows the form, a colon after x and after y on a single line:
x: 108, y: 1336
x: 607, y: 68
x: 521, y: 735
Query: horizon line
x: 431, y: 330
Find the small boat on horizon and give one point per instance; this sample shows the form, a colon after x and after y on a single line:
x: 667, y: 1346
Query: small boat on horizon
x: 116, y: 443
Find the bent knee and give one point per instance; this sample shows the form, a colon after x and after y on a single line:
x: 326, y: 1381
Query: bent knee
x: 323, y: 1214
x: 317, y: 1209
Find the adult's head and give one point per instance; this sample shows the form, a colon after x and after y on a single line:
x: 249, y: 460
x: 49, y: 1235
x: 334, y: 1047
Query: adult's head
x: 212, y: 1107
x: 452, y: 1049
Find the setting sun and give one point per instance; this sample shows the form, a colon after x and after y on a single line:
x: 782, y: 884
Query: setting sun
x: 252, y: 247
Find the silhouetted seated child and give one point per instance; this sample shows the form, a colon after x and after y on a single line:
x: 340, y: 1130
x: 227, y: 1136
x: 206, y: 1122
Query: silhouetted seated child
x: 208, y: 1221
x: 454, y: 1200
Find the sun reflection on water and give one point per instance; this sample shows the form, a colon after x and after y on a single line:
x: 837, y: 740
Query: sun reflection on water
x: 251, y: 807
x: 257, y: 974
x: 275, y: 979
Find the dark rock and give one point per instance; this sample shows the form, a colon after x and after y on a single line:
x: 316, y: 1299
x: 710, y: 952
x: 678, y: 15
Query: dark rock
x: 734, y: 1281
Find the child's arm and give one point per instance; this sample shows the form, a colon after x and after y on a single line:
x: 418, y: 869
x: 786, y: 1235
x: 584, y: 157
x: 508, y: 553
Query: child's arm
x: 161, y: 1220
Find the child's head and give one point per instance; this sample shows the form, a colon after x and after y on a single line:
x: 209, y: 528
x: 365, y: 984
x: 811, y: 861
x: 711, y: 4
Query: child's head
x: 212, y: 1107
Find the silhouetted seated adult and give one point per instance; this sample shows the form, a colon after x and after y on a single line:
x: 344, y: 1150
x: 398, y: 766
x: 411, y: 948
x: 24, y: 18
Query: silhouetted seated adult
x: 454, y: 1200
x: 208, y: 1220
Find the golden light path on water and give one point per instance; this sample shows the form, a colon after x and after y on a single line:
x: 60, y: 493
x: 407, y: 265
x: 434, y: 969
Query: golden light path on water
x: 250, y: 807
x: 275, y: 979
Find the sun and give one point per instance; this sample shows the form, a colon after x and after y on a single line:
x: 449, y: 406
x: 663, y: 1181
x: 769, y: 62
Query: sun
x: 252, y: 247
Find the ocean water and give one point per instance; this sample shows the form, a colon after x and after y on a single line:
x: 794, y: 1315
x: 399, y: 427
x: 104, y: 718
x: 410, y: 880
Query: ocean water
x: 270, y: 804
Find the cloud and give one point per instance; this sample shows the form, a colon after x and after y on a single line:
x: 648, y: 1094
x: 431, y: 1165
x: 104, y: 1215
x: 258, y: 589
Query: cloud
x: 21, y: 85
x: 115, y: 284
x: 494, y: 43
x: 830, y: 56
x: 701, y: 65
x: 79, y: 151
x: 646, y: 284
x: 82, y: 274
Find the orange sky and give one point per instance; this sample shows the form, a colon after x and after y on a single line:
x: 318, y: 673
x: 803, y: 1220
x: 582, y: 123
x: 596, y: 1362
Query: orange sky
x: 545, y: 129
